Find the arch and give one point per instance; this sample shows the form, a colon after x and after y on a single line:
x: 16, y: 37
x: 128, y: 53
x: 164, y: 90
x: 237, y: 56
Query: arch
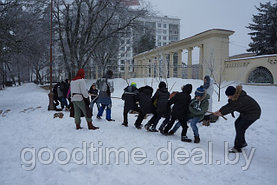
x: 260, y: 74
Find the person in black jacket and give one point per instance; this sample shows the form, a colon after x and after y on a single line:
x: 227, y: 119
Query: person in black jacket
x: 180, y: 111
x: 130, y: 97
x: 146, y: 104
x: 93, y: 92
x: 249, y: 110
x: 160, y: 100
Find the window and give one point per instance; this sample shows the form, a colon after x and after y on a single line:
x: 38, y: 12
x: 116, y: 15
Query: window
x: 128, y: 48
x: 164, y: 31
x: 164, y: 37
x: 159, y: 25
x: 122, y: 62
x: 122, y: 55
x: 159, y: 44
x: 165, y: 26
x: 159, y: 37
x: 128, y: 41
x: 122, y: 68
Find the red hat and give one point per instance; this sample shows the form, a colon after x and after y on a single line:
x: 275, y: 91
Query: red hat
x: 80, y: 74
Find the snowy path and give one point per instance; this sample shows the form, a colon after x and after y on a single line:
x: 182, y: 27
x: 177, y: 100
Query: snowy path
x: 37, y: 128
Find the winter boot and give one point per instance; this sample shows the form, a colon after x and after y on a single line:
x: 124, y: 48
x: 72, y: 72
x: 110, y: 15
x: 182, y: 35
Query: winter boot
x: 91, y: 126
x: 125, y: 124
x: 235, y: 150
x: 147, y: 126
x: 185, y: 139
x: 98, y: 117
x: 196, y: 139
x: 171, y: 132
x: 78, y: 126
x: 153, y: 129
x: 110, y: 120
x: 138, y: 126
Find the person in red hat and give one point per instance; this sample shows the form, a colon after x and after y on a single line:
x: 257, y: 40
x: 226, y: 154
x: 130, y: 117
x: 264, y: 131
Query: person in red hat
x: 80, y: 100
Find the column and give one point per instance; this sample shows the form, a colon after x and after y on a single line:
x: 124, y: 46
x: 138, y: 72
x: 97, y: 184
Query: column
x: 171, y: 64
x: 180, y: 66
x: 201, y: 61
x: 152, y: 66
x: 158, y: 67
x: 126, y: 74
x: 190, y: 63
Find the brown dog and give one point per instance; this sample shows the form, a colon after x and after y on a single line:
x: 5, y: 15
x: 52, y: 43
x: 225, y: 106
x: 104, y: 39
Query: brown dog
x: 58, y: 114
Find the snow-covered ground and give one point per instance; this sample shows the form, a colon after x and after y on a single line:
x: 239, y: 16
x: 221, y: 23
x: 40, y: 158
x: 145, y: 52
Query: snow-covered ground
x: 29, y: 129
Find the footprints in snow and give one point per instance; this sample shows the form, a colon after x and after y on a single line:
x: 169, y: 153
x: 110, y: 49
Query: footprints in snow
x: 3, y: 113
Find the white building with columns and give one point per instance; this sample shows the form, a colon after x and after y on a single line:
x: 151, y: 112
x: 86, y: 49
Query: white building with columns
x: 165, y: 30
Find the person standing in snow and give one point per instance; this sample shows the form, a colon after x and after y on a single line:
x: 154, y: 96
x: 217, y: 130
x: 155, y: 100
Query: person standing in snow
x: 209, y: 88
x: 62, y: 95
x: 145, y: 103
x: 249, y: 110
x: 130, y: 97
x: 198, y: 107
x: 180, y: 111
x: 80, y: 100
x: 160, y: 100
x: 93, y: 92
x: 105, y: 86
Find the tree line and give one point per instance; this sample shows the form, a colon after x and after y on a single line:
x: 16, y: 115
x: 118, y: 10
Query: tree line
x: 83, y: 31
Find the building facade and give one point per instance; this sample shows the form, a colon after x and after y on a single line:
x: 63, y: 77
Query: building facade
x: 164, y: 29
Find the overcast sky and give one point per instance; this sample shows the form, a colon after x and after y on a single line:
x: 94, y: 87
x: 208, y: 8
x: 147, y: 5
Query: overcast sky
x: 201, y: 15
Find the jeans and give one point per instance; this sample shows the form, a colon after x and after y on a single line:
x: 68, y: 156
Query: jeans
x: 63, y: 102
x: 193, y: 121
x: 166, y: 120
x: 108, y: 111
x: 92, y: 104
x: 176, y: 127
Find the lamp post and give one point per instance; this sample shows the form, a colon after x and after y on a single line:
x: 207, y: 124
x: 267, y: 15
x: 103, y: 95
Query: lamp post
x: 51, y: 94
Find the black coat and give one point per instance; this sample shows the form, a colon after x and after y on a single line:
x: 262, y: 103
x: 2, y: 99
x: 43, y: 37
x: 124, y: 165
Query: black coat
x: 94, y: 93
x: 130, y: 97
x: 248, y: 108
x: 181, y: 103
x: 161, y: 98
x: 145, y: 102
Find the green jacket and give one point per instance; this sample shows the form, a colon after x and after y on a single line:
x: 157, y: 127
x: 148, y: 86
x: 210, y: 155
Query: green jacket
x: 198, y: 108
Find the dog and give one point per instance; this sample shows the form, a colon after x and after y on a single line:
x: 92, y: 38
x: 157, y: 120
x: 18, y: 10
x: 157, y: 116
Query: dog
x: 58, y: 114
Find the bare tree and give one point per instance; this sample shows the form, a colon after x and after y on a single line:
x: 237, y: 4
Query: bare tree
x: 84, y: 25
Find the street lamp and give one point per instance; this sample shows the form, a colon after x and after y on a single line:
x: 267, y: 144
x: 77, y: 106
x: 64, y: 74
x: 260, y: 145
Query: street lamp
x: 51, y: 94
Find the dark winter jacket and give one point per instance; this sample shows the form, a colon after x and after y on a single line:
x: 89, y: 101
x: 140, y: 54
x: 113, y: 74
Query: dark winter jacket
x: 198, y: 108
x: 145, y: 102
x: 94, y: 93
x: 248, y: 108
x: 161, y: 101
x: 105, y: 87
x: 130, y: 97
x: 65, y: 87
x: 181, y: 101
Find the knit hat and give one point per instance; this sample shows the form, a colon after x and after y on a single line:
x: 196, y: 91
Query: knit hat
x: 200, y: 91
x: 230, y: 91
x: 162, y: 85
x: 80, y: 74
x: 187, y: 88
x: 133, y: 84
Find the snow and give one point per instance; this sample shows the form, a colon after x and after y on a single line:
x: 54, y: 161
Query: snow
x: 35, y: 129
